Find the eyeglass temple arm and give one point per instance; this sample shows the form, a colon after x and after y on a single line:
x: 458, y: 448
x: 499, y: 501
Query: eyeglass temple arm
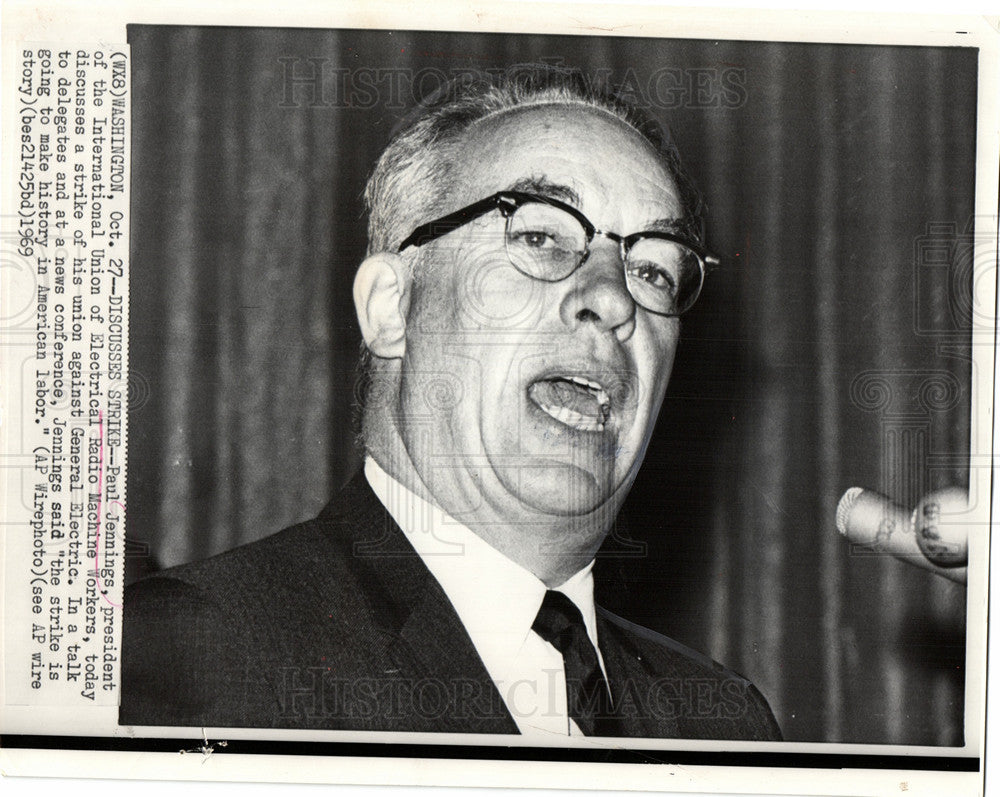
x: 446, y: 224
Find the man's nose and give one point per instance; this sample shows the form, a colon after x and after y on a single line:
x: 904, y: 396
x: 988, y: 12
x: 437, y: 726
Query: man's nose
x: 598, y: 294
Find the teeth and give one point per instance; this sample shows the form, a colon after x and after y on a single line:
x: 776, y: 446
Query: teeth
x: 602, y: 396
x: 585, y: 382
x: 573, y: 419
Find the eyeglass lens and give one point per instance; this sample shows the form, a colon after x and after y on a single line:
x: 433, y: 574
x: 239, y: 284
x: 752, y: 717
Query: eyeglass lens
x: 548, y: 244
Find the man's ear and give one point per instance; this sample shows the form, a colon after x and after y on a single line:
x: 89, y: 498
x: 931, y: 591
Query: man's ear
x: 381, y: 299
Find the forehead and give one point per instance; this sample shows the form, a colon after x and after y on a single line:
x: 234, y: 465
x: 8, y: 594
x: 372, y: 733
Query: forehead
x: 615, y: 172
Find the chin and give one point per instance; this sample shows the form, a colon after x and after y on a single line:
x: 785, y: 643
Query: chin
x: 558, y: 488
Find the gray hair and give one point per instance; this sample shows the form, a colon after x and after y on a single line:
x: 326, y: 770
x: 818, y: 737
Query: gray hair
x: 410, y: 181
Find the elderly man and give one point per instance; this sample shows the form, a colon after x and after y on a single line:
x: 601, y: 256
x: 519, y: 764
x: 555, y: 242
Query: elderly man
x: 532, y: 244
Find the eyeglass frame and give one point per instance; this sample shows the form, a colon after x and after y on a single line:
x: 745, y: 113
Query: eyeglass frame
x: 508, y: 202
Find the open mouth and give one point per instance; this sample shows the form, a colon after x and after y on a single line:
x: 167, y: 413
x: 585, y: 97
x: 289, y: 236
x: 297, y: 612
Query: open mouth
x: 575, y: 401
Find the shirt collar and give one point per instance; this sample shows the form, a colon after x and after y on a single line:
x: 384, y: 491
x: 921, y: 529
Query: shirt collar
x: 495, y: 598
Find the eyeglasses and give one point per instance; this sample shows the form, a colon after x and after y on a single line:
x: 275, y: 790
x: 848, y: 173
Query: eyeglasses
x: 548, y: 240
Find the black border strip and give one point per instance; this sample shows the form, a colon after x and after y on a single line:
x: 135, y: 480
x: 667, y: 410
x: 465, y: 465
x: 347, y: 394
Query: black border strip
x: 493, y: 753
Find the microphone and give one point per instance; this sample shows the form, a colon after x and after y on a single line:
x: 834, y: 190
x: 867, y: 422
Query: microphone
x: 935, y: 536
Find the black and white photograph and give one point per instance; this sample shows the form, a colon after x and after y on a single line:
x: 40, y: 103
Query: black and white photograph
x: 567, y: 388
x: 552, y: 355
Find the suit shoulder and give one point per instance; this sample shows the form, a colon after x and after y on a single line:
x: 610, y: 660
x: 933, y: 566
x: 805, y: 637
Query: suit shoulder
x: 278, y: 556
x: 658, y: 646
x: 200, y: 641
x: 169, y: 629
x: 709, y: 700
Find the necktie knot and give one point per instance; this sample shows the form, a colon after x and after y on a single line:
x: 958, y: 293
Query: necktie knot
x: 559, y: 622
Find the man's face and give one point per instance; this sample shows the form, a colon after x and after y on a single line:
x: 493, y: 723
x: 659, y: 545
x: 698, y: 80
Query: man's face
x: 530, y: 396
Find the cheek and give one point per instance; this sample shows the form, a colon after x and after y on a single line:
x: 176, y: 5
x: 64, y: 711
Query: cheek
x: 656, y: 361
x: 488, y: 291
x: 474, y: 286
x: 663, y: 335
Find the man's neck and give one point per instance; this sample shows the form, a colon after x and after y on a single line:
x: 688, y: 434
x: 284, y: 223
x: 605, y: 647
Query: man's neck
x: 551, y: 547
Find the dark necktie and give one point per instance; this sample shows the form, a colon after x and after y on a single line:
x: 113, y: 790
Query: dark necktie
x: 588, y: 697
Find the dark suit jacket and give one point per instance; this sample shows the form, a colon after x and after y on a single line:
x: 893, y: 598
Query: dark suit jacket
x: 337, y: 624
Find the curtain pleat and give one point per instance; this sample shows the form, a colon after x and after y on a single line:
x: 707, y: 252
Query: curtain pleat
x: 185, y: 294
x: 827, y: 281
x: 827, y: 350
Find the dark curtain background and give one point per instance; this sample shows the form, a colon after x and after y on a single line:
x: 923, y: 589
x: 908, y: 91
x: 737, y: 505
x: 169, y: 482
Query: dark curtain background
x: 831, y: 348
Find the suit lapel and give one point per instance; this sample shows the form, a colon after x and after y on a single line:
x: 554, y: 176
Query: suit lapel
x: 434, y: 647
x: 442, y: 683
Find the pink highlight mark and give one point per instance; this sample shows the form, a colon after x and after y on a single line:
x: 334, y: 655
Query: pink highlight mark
x: 100, y: 495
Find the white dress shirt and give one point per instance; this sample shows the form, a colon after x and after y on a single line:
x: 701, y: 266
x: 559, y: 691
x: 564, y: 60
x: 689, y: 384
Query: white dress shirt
x: 497, y: 601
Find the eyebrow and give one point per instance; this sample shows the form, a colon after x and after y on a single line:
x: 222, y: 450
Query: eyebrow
x: 671, y: 225
x: 546, y: 188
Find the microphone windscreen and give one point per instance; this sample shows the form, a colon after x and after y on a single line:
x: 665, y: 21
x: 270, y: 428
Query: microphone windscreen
x: 844, y: 507
x: 873, y: 521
